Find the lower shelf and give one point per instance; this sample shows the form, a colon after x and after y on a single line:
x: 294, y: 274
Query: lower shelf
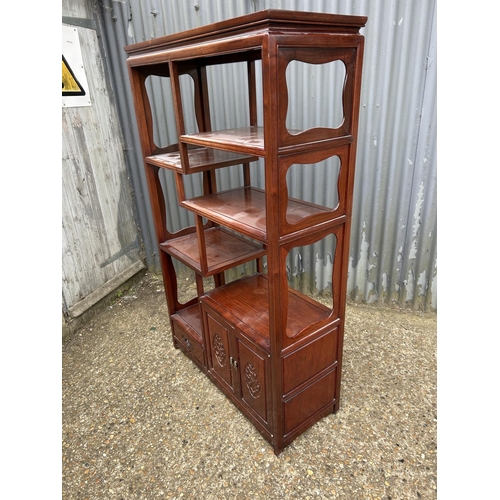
x: 246, y: 303
x: 224, y: 250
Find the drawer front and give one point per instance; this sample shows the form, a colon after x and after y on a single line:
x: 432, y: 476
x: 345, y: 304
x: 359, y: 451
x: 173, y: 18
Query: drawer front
x: 188, y: 344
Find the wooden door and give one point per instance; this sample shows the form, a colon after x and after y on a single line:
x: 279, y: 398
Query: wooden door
x: 253, y: 369
x: 220, y: 357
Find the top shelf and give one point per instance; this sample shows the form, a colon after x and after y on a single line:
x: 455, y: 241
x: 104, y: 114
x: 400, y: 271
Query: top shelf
x: 265, y: 19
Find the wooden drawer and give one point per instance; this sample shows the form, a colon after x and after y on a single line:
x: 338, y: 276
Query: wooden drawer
x: 188, y: 342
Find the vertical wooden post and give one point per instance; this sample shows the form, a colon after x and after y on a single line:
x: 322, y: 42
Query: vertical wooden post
x: 274, y: 271
x: 179, y: 113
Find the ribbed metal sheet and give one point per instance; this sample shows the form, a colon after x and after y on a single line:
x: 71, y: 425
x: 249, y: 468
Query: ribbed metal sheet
x: 393, y: 238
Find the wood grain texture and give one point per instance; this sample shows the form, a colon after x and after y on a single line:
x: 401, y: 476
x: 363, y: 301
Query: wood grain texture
x: 99, y: 236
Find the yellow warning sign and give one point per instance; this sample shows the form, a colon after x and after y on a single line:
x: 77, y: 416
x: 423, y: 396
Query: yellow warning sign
x: 70, y: 85
x: 75, y: 86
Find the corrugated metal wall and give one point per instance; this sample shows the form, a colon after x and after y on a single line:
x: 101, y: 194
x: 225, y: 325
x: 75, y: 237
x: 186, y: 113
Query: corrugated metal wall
x: 393, y: 239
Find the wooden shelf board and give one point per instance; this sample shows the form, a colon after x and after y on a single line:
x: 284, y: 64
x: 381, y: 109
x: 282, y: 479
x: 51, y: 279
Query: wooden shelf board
x: 199, y: 159
x: 245, y: 303
x: 224, y: 250
x: 248, y: 140
x: 243, y: 209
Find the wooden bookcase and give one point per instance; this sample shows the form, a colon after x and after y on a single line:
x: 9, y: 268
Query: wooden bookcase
x: 274, y: 351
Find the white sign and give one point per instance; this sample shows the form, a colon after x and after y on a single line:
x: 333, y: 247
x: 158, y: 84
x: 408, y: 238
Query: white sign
x: 75, y: 88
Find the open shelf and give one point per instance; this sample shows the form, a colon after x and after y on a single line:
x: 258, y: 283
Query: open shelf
x: 244, y: 209
x: 247, y: 140
x: 200, y: 159
x: 245, y: 303
x: 250, y: 140
x: 224, y: 250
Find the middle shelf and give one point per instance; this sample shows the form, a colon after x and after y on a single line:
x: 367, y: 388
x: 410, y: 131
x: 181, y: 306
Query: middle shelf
x: 250, y: 140
x: 200, y: 159
x: 244, y: 210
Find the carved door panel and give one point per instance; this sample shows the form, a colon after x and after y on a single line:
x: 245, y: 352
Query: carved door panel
x: 220, y: 350
x: 253, y: 366
x: 240, y: 366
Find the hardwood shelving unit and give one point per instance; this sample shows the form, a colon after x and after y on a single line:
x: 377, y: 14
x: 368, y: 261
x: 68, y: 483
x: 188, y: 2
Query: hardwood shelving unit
x: 274, y: 351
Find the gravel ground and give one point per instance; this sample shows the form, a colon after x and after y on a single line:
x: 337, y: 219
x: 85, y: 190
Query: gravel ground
x: 141, y: 421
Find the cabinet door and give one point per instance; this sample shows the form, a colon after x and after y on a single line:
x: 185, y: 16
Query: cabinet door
x: 252, y: 367
x: 220, y: 350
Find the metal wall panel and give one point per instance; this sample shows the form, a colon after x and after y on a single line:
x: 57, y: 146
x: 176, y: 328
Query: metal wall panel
x: 393, y: 238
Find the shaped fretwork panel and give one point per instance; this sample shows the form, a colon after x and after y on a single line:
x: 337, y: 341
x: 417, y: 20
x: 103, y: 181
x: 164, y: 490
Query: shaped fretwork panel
x: 321, y: 87
x: 322, y: 93
x: 319, y: 189
x: 159, y: 91
x: 314, y: 186
x: 312, y: 273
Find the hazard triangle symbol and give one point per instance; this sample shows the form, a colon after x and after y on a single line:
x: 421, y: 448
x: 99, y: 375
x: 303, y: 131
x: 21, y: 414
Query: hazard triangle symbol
x: 70, y: 85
